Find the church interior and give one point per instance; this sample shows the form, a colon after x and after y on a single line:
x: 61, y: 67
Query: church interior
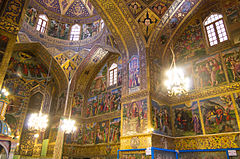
x: 120, y: 79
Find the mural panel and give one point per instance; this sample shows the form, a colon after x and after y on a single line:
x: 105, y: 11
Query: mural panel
x: 102, y: 132
x: 209, y: 72
x: 187, y: 120
x: 91, y: 106
x: 218, y: 115
x: 27, y: 66
x: 134, y: 74
x: 77, y: 105
x: 232, y: 62
x: 114, y: 136
x: 89, y: 133
x: 3, y: 45
x: 135, y: 117
x: 31, y: 16
x: 232, y: 11
x: 90, y: 30
x: 58, y: 30
x: 99, y: 83
x: 115, y: 99
x: 190, y: 44
x: 161, y: 119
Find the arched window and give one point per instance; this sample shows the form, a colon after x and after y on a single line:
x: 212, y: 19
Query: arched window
x: 75, y: 32
x: 42, y: 23
x: 215, y: 28
x: 113, y: 74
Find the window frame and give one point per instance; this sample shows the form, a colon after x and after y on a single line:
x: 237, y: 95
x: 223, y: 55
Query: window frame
x: 41, y: 25
x: 72, y: 33
x: 215, y: 29
x: 114, y: 72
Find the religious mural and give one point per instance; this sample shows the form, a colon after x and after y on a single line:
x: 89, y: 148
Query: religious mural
x: 237, y: 101
x: 26, y: 65
x: 161, y: 119
x: 77, y: 105
x: 101, y: 100
x: 99, y: 84
x: 218, y: 115
x: 58, y: 30
x: 187, y: 120
x: 135, y: 117
x: 114, y: 136
x: 209, y: 72
x: 3, y: 46
x: 190, y: 44
x: 89, y: 30
x: 89, y: 133
x: 147, y: 22
x: 232, y: 62
x: 135, y: 7
x: 160, y: 8
x: 203, y: 155
x: 76, y: 137
x: 134, y: 74
x: 31, y: 16
x: 102, y: 132
x: 232, y: 11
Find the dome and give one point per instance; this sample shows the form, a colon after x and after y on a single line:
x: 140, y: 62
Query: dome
x: 68, y: 11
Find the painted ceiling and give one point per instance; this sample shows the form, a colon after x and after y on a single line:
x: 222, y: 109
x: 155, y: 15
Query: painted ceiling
x: 70, y: 8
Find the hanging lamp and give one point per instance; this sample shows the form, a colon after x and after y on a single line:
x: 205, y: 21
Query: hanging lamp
x: 39, y: 121
x: 177, y: 84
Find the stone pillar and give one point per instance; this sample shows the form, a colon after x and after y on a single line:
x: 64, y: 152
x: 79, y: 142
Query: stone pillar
x: 58, y: 148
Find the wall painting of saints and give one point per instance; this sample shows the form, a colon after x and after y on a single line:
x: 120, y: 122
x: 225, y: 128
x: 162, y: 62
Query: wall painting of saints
x: 161, y: 119
x: 218, y: 115
x: 232, y: 62
x: 187, y: 120
x: 135, y: 117
x: 89, y: 133
x: 115, y: 130
x: 209, y: 72
x: 134, y: 74
x: 102, y: 130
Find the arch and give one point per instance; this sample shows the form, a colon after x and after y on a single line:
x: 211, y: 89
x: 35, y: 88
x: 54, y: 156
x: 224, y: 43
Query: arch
x: 122, y: 25
x: 168, y: 27
x: 42, y: 53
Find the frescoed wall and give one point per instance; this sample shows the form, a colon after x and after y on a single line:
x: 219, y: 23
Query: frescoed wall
x: 218, y: 115
x: 134, y: 117
x: 31, y: 16
x: 102, y: 132
x: 190, y: 44
x: 58, y: 30
x: 77, y: 105
x: 232, y: 62
x: 187, y: 119
x: 102, y: 100
x: 3, y: 45
x: 161, y: 119
x: 89, y: 133
x: 209, y: 72
x: 134, y: 72
x: 114, y: 136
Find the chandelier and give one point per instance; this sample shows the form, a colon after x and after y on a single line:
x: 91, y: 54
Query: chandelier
x: 39, y: 121
x: 176, y: 83
x: 68, y: 125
